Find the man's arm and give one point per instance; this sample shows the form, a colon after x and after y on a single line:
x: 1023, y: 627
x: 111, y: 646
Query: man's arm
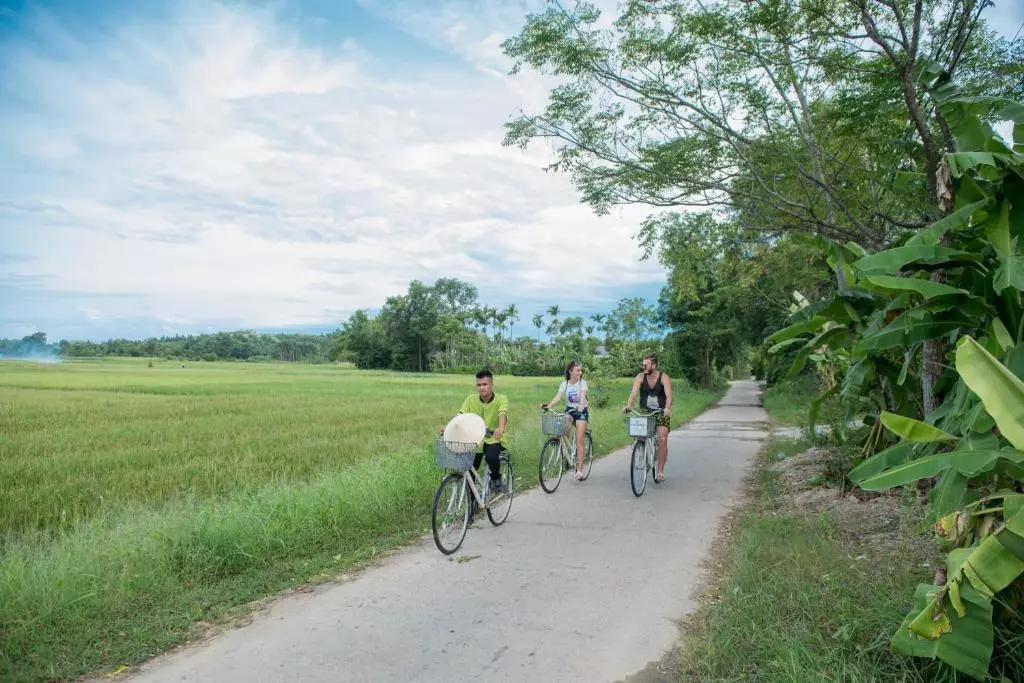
x: 502, y: 417
x: 668, y: 393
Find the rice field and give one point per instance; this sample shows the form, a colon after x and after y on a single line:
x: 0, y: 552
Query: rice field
x: 140, y: 500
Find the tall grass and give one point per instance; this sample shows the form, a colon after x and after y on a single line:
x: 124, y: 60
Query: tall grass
x: 789, y: 402
x: 804, y: 599
x: 145, y: 500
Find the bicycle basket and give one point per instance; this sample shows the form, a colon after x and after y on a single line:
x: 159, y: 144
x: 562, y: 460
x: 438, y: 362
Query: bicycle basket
x: 553, y: 424
x: 641, y: 426
x: 455, y: 455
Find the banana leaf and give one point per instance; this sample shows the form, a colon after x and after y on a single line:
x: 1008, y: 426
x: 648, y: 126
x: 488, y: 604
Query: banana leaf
x: 893, y: 260
x: 1002, y: 335
x: 914, y: 326
x: 958, y: 220
x: 914, y: 430
x: 968, y: 463
x: 998, y: 388
x: 949, y: 494
x: 925, y: 288
x: 967, y: 641
x: 1011, y: 271
x: 893, y: 456
x: 798, y: 329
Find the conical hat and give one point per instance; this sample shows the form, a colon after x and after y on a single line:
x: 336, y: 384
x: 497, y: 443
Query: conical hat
x: 468, y: 428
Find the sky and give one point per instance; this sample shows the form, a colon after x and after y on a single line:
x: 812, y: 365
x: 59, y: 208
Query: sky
x: 184, y: 166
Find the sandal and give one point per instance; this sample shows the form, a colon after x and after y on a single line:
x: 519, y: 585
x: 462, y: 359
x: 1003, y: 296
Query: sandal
x: 660, y: 477
x: 579, y: 475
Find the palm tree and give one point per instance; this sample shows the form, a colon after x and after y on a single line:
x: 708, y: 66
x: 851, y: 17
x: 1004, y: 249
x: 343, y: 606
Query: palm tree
x: 499, y: 318
x: 599, y: 319
x: 553, y: 325
x: 538, y: 322
x: 512, y: 314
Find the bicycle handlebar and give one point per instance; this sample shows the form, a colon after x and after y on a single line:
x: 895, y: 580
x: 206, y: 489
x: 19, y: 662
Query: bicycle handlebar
x: 653, y: 411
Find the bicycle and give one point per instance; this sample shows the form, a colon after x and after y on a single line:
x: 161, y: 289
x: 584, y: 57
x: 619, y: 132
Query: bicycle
x: 644, y: 429
x: 457, y: 456
x: 558, y: 453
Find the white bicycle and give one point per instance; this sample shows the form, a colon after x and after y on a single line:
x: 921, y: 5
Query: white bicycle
x: 643, y: 427
x: 461, y: 488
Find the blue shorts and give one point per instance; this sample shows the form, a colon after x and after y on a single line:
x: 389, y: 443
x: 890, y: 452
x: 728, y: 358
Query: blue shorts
x: 578, y: 415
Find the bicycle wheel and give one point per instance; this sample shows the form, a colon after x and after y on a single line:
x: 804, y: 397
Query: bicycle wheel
x: 638, y: 469
x: 451, y: 513
x: 588, y: 454
x: 550, y: 466
x: 498, y: 511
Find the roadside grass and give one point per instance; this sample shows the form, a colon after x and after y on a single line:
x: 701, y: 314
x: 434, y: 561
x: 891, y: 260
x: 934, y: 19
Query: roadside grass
x: 789, y: 402
x: 802, y: 597
x: 141, y: 502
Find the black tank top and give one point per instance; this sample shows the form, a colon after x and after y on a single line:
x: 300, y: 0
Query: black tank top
x: 657, y: 393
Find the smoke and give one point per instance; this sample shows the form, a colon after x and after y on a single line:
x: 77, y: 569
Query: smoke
x: 33, y: 357
x: 32, y: 348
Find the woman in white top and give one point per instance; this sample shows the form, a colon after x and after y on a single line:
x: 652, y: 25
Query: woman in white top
x: 575, y: 389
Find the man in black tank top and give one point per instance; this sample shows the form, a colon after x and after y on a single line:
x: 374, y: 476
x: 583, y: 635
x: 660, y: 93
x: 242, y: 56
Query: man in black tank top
x: 655, y: 390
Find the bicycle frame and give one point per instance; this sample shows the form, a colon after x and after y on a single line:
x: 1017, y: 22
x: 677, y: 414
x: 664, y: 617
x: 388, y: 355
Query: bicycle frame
x: 567, y: 439
x: 472, y: 479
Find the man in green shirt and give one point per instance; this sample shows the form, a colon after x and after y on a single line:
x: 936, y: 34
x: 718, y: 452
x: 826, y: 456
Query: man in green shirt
x: 493, y: 408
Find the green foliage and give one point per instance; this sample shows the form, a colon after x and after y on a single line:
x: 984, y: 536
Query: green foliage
x: 972, y: 443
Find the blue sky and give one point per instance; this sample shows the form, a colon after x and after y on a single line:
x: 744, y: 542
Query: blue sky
x: 175, y: 167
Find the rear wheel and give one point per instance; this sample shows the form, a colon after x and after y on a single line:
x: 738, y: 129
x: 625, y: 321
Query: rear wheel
x: 450, y: 517
x: 638, y: 469
x: 498, y: 511
x: 588, y: 454
x: 550, y: 466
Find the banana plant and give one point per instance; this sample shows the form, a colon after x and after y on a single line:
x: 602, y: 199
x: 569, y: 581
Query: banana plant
x: 981, y: 508
x: 891, y: 307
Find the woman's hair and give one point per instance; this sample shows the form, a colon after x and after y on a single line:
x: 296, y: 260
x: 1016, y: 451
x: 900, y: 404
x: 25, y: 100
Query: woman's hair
x: 570, y: 366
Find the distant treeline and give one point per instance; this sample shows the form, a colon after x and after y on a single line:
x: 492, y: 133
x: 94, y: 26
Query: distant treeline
x: 244, y: 345
x: 441, y: 327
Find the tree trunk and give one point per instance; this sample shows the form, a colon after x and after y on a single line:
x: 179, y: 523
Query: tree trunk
x: 934, y: 349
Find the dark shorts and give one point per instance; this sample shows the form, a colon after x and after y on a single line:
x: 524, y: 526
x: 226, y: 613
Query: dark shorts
x: 662, y: 420
x: 578, y: 415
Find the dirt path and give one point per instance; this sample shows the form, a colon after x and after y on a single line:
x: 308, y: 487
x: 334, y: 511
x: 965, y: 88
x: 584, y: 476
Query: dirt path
x: 585, y: 584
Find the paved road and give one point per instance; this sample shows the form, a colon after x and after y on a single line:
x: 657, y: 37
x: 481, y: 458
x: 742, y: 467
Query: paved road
x: 581, y: 585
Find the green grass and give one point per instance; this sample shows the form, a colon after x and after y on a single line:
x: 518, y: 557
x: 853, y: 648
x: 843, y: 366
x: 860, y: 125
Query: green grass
x: 789, y: 402
x: 800, y: 600
x: 140, y: 500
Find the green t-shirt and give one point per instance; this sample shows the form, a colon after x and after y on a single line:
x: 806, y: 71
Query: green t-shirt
x: 489, y: 412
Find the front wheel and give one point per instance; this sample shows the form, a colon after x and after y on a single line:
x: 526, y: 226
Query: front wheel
x: 588, y: 454
x: 498, y: 510
x: 638, y: 469
x: 450, y: 517
x: 550, y: 466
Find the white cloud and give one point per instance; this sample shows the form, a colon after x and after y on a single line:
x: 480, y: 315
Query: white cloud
x: 219, y: 168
